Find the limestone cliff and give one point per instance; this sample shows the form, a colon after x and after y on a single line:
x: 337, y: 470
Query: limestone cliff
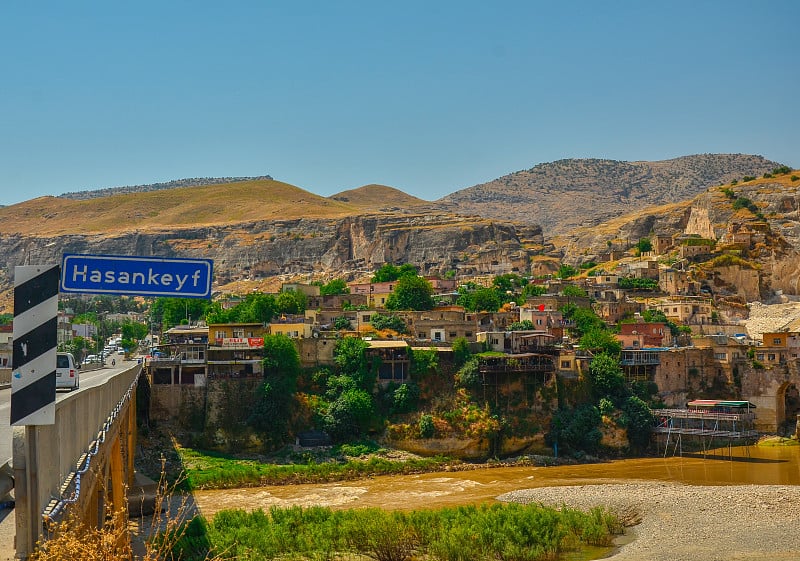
x: 757, y: 221
x: 341, y: 247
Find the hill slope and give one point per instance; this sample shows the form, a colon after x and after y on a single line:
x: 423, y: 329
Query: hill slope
x: 566, y: 194
x: 379, y: 197
x: 166, y: 209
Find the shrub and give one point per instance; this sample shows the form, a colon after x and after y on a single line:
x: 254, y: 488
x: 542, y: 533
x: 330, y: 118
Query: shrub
x: 748, y: 178
x: 426, y: 426
x: 404, y: 398
x: 341, y: 323
x: 794, y: 178
x: 606, y: 406
x: 389, y: 321
x: 781, y: 170
x: 469, y: 376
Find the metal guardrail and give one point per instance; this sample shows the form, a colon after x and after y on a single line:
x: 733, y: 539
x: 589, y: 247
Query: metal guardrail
x: 57, y: 505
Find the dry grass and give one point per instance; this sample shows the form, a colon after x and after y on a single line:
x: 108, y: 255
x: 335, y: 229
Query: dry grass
x: 377, y: 197
x: 230, y: 203
x: 116, y: 540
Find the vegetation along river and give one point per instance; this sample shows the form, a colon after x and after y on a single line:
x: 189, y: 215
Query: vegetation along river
x: 683, y: 508
x: 752, y: 465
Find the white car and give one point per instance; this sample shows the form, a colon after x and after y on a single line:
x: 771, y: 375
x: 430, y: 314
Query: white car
x: 67, y: 372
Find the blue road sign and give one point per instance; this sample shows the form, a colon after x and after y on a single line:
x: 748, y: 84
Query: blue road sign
x: 141, y: 276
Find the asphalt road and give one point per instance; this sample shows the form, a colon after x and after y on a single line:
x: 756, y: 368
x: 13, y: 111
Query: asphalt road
x: 89, y: 378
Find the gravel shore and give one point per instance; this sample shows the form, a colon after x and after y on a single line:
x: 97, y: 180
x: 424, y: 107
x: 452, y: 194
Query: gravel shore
x: 690, y: 523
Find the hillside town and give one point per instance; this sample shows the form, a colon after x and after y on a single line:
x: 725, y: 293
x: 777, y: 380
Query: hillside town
x: 685, y: 335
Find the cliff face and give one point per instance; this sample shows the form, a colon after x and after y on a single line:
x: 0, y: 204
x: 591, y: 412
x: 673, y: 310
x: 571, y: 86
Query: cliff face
x: 344, y: 247
x: 758, y: 221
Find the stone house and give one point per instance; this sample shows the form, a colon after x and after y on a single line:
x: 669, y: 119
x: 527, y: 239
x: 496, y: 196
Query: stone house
x: 641, y: 335
x: 236, y: 350
x: 689, y: 310
x: 291, y: 326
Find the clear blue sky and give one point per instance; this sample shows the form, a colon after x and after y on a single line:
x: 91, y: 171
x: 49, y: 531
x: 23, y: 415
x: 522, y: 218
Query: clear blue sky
x: 426, y: 96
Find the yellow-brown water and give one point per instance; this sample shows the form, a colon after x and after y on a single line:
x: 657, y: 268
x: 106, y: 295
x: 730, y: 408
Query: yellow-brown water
x: 751, y: 465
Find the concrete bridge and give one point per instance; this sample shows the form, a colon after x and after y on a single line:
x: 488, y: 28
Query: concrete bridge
x: 82, y: 464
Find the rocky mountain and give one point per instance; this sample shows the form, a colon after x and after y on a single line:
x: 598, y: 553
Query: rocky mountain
x: 258, y: 229
x: 753, y: 230
x: 567, y: 194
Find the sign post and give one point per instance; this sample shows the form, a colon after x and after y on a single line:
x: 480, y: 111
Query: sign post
x: 33, y: 378
x: 140, y: 276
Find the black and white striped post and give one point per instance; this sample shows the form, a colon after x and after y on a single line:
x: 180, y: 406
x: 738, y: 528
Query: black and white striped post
x: 33, y: 379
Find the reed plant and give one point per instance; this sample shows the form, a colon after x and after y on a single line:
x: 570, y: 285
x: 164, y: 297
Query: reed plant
x: 218, y: 471
x: 511, y: 532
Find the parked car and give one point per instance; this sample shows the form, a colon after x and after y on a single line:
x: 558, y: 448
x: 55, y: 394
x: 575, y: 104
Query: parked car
x: 67, y: 374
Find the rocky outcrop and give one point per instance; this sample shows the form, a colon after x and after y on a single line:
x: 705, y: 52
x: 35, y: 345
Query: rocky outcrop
x: 336, y: 247
x: 547, y: 193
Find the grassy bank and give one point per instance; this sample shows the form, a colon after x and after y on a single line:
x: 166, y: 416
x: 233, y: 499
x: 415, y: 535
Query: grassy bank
x: 208, y: 470
x: 500, y: 531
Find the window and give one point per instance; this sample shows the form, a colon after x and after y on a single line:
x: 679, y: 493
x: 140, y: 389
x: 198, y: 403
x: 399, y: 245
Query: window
x: 238, y: 333
x: 219, y: 334
x: 421, y: 335
x: 721, y: 356
x: 366, y: 318
x: 759, y: 356
x: 776, y: 341
x: 452, y: 334
x: 771, y: 356
x: 565, y: 364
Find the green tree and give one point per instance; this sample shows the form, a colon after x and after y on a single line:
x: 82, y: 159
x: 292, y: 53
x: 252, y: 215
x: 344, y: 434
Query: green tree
x: 508, y: 282
x: 533, y: 290
x: 411, y: 293
x: 576, y: 430
x: 169, y: 312
x: 273, y: 398
x: 271, y: 408
x: 404, y: 398
x: 607, y: 378
x: 280, y: 356
x: 524, y: 325
x: 584, y: 318
x: 601, y: 340
x: 469, y: 375
x: 574, y: 291
x: 639, y: 421
x: 480, y: 299
x: 566, y: 271
x: 350, y: 358
x: 461, y: 352
x: 644, y: 245
x: 341, y: 323
x: 291, y: 302
x: 333, y: 287
x: 424, y: 361
x: 388, y: 321
x: 349, y: 415
x: 389, y: 272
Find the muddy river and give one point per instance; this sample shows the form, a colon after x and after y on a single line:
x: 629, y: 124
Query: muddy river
x: 746, y: 465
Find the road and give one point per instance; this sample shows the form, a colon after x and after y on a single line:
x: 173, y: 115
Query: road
x: 89, y: 378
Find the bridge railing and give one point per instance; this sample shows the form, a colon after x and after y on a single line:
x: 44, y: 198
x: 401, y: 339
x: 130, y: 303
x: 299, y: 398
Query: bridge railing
x: 46, y: 456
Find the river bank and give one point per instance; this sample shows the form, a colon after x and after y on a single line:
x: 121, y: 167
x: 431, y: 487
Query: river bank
x: 689, y: 522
